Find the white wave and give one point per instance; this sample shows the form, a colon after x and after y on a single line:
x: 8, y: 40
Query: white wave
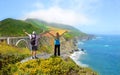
x: 77, y: 55
x: 106, y: 45
x: 80, y: 43
x: 97, y: 38
x: 94, y: 39
x: 100, y: 38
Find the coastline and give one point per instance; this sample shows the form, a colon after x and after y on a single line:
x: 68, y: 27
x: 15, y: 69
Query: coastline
x: 76, y: 55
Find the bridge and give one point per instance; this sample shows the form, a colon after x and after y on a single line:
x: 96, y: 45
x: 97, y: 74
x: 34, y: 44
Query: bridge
x: 16, y: 40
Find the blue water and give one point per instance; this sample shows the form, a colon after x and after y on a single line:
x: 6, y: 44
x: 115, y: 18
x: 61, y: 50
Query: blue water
x: 103, y: 54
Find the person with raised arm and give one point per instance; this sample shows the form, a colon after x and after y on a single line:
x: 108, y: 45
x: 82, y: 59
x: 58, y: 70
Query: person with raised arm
x: 57, y: 43
x: 34, y: 42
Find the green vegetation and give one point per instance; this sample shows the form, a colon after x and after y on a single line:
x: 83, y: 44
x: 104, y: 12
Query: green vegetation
x: 9, y: 55
x: 36, y: 23
x: 73, y: 32
x: 12, y: 27
x: 50, y: 66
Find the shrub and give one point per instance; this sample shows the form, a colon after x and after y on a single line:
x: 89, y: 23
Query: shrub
x: 10, y: 55
x: 50, y: 66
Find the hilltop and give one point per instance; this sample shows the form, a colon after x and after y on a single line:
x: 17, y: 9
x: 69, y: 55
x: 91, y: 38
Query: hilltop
x: 73, y: 32
x: 13, y: 27
x: 55, y: 25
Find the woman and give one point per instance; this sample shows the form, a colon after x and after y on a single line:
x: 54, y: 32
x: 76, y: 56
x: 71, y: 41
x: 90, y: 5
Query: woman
x: 57, y: 43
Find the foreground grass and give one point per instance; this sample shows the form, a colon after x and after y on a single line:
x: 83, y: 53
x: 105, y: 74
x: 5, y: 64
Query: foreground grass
x: 10, y: 55
x: 50, y: 66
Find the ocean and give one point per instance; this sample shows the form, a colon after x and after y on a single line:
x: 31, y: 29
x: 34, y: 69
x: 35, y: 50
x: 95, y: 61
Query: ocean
x: 102, y: 54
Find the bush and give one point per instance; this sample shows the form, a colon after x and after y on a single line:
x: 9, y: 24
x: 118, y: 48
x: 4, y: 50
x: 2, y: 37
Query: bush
x: 51, y: 66
x: 10, y: 55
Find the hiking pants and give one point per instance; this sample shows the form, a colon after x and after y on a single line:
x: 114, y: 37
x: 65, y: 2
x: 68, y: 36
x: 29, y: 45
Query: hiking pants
x: 57, y: 50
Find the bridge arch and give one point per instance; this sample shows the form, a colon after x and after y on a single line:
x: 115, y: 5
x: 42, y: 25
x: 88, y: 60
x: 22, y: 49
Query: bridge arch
x: 27, y: 44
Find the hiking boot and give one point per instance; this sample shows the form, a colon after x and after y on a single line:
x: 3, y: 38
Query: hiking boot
x: 36, y: 57
x: 33, y: 57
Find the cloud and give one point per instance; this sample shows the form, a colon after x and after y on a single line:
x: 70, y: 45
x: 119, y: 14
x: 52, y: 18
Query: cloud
x: 65, y: 12
x: 78, y: 5
x: 58, y: 15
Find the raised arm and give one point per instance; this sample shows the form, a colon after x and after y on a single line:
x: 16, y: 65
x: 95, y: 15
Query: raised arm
x: 63, y: 33
x: 51, y: 34
x: 44, y: 32
x: 25, y: 32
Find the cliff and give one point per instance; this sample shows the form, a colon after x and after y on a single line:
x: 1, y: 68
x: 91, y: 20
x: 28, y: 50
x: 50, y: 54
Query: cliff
x: 46, y: 44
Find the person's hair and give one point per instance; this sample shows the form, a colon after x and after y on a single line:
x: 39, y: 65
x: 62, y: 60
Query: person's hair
x: 57, y: 35
x: 33, y: 32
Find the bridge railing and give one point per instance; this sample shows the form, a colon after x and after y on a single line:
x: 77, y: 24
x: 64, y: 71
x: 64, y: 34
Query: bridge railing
x: 13, y: 40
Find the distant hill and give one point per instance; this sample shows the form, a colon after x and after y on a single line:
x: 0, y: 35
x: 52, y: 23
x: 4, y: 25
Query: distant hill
x: 73, y: 30
x: 36, y: 23
x: 63, y: 26
x: 56, y: 25
x: 13, y: 27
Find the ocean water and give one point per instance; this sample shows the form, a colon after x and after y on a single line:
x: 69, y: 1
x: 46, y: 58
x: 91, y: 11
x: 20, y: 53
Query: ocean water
x: 102, y: 54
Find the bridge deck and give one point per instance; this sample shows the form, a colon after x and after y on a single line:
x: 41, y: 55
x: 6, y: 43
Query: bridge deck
x: 12, y: 37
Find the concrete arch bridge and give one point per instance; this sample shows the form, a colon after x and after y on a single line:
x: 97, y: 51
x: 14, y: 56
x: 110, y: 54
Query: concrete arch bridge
x: 16, y: 41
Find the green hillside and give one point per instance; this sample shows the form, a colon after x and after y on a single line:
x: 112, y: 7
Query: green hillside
x: 56, y: 25
x: 36, y: 23
x: 13, y: 27
x: 72, y: 30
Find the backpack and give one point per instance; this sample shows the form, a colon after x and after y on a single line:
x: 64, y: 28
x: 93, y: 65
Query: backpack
x: 33, y: 40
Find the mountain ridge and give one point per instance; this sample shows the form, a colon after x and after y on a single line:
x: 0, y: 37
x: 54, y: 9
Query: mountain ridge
x: 14, y: 27
x: 57, y: 25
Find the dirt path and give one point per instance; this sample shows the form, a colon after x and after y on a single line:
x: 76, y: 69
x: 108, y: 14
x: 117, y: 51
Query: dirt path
x: 45, y: 56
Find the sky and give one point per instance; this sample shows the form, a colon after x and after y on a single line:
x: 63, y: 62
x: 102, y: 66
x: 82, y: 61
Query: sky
x: 90, y: 16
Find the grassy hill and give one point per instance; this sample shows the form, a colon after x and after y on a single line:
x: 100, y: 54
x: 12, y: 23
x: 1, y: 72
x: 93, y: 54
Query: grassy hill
x: 36, y: 23
x: 13, y: 27
x: 56, y: 26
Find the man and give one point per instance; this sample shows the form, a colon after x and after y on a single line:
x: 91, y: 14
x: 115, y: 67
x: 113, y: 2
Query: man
x: 34, y: 42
